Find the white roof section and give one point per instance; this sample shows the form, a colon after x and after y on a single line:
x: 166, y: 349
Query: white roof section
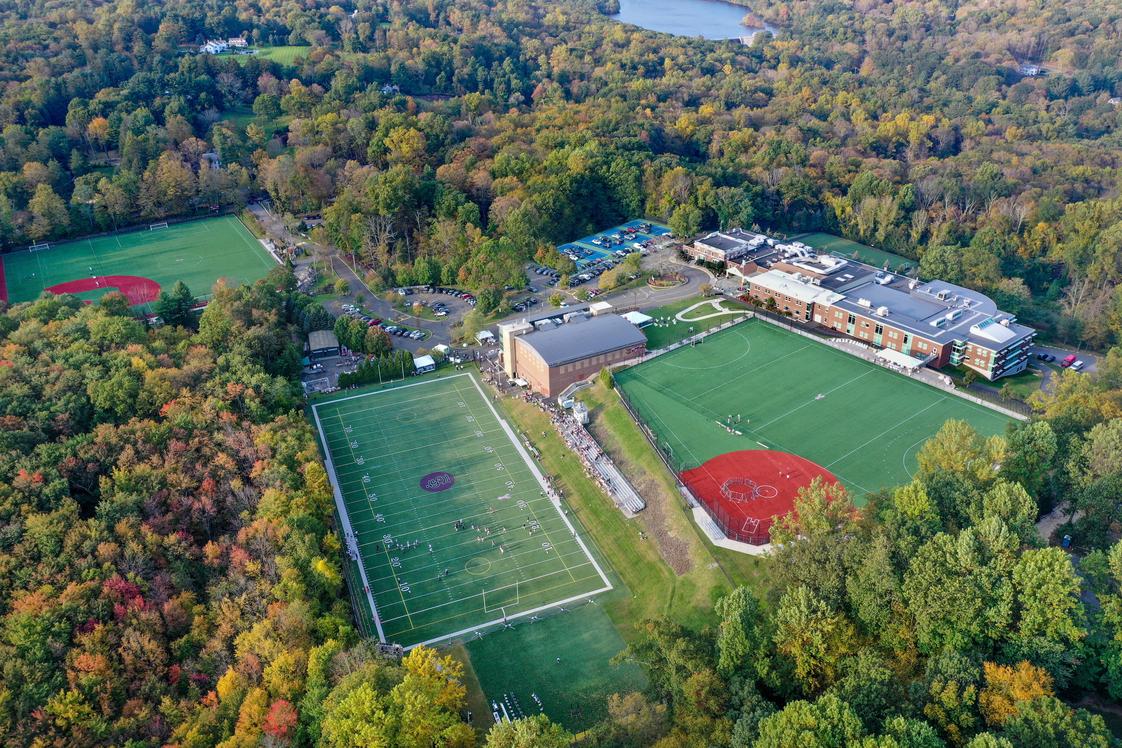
x: 599, y: 307
x: 484, y: 335
x: 787, y: 284
x: 638, y: 318
x: 420, y: 362
x: 993, y: 331
x: 900, y: 359
x: 441, y: 348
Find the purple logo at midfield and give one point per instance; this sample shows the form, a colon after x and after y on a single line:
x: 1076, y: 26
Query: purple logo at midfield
x: 436, y: 482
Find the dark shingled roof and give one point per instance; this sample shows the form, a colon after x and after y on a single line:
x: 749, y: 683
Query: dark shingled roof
x: 319, y: 340
x: 582, y: 339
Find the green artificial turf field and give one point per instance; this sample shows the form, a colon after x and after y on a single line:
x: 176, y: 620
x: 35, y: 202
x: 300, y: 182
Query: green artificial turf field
x: 848, y: 248
x: 195, y: 252
x: 563, y: 659
x: 861, y: 422
x: 409, y: 464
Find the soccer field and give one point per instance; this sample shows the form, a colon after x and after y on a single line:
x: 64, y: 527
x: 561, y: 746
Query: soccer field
x: 195, y: 252
x: 861, y: 422
x: 449, y: 516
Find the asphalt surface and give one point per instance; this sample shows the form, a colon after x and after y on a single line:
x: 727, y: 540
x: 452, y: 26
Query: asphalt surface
x: 440, y: 331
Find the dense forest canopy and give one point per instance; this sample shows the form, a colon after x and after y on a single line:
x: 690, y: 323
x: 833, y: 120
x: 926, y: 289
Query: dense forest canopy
x: 470, y: 135
x: 171, y: 572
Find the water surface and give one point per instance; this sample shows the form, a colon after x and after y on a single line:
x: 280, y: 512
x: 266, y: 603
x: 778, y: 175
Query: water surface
x: 711, y: 19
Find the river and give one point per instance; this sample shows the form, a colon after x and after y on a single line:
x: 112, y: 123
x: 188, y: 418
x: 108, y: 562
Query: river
x: 711, y: 19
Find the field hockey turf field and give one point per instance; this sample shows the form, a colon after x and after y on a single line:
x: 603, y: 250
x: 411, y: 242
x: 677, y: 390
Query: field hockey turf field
x: 138, y: 263
x: 861, y: 422
x: 447, y: 515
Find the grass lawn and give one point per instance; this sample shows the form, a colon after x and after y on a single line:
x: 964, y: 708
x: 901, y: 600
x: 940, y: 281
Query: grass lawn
x: 1020, y: 385
x: 848, y: 248
x: 195, y: 252
x: 668, y: 329
x: 656, y: 588
x: 285, y: 55
x: 862, y: 422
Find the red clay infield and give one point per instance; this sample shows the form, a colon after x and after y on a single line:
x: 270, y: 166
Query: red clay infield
x: 136, y: 289
x: 745, y: 491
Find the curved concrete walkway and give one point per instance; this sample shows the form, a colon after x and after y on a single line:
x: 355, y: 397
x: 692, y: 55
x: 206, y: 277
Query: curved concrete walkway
x: 715, y: 303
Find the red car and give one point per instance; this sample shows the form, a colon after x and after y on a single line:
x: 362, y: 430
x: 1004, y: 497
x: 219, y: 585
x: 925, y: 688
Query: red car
x: 1068, y: 361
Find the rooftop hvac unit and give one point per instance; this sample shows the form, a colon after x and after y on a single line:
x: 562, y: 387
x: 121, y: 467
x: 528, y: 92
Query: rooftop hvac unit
x: 953, y: 315
x: 885, y: 279
x: 865, y: 303
x: 938, y: 322
x: 942, y: 294
x: 882, y: 311
x: 1004, y: 322
x: 912, y: 284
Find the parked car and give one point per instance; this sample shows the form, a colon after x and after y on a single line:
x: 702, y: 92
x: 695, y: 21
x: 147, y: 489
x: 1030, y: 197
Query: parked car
x: 1069, y: 360
x: 1078, y: 365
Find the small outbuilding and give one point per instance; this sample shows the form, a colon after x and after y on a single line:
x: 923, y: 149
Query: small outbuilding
x: 422, y: 364
x: 485, y: 337
x: 322, y: 344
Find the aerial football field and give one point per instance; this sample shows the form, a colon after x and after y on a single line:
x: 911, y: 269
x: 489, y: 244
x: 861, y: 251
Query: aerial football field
x: 138, y: 263
x: 446, y: 515
x: 759, y: 386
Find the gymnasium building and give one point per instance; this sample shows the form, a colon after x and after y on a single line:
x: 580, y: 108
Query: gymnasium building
x: 935, y: 323
x: 554, y: 351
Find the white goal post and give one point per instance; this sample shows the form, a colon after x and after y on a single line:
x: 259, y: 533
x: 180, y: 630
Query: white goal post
x: 160, y: 225
x: 39, y: 246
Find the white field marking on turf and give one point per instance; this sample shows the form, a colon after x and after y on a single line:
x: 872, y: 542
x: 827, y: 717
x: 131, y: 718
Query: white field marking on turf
x: 525, y: 541
x: 341, y: 507
x: 776, y: 443
x: 902, y: 377
x: 706, y: 368
x: 454, y: 512
x: 904, y: 457
x: 250, y: 244
x: 365, y: 493
x: 745, y: 373
x: 523, y: 614
x: 396, y: 472
x: 532, y: 515
x: 685, y: 445
x: 534, y: 471
x: 538, y: 592
x: 375, y: 393
x: 474, y: 582
x: 540, y: 478
x: 370, y: 505
x: 538, y: 578
x: 896, y: 425
x: 382, y: 455
x: 812, y: 401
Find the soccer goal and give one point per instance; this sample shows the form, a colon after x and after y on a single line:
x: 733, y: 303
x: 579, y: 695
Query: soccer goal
x: 501, y: 597
x: 160, y: 225
x: 39, y: 246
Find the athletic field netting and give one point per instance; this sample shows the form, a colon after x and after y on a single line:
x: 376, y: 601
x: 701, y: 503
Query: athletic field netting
x: 448, y: 515
x: 782, y: 391
x: 139, y: 263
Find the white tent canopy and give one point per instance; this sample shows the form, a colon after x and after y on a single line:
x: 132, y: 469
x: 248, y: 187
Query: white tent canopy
x: 484, y: 336
x: 902, y: 360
